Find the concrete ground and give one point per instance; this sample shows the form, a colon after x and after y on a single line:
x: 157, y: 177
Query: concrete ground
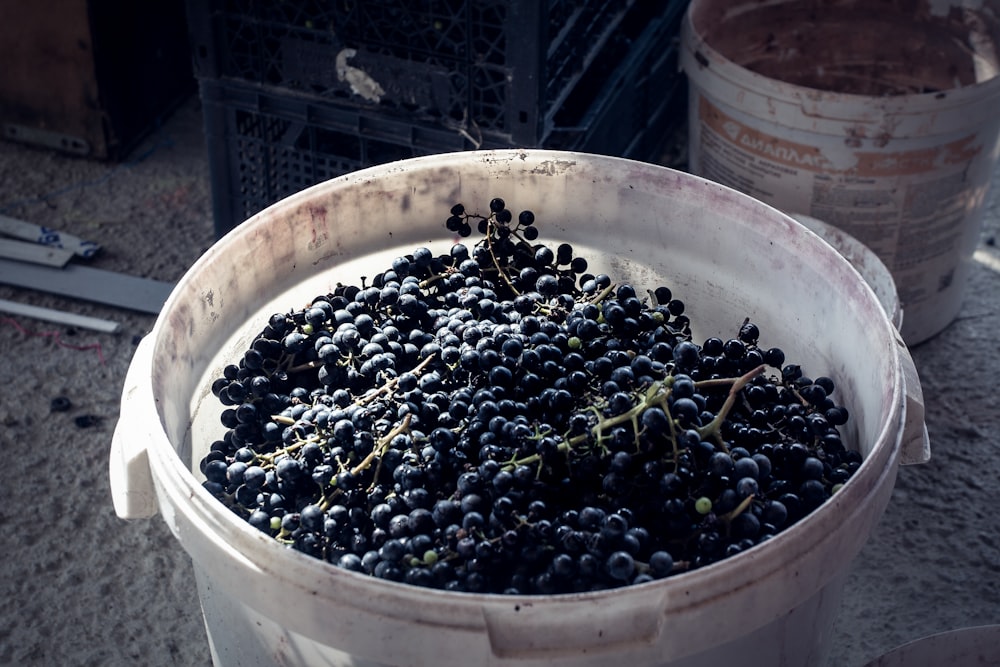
x: 79, y: 586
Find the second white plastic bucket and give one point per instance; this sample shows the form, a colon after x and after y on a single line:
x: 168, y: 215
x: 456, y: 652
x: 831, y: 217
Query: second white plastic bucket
x: 881, y: 119
x: 731, y: 257
x: 867, y: 263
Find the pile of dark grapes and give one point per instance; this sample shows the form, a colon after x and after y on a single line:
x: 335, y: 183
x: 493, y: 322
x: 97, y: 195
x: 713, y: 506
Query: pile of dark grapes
x: 496, y: 419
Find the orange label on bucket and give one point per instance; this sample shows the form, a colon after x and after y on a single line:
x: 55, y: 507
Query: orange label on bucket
x: 908, y: 163
x: 781, y: 151
x: 865, y: 163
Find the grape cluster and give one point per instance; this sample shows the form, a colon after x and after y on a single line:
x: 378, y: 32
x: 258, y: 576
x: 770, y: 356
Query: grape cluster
x: 496, y: 419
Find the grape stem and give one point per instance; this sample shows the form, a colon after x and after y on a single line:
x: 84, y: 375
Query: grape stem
x: 387, y: 388
x: 377, y: 451
x: 602, y: 295
x: 713, y: 428
x: 382, y: 445
x: 304, y: 367
x: 655, y: 395
x: 391, y: 384
x: 491, y: 224
x: 739, y: 509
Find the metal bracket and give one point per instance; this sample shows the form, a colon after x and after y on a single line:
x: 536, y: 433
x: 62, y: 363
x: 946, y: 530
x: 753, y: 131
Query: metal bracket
x: 46, y: 138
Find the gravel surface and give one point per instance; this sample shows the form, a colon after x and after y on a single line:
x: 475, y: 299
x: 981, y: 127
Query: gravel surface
x: 82, y: 587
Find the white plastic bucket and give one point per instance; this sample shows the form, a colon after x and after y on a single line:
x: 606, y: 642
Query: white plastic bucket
x: 867, y: 263
x: 727, y: 255
x: 878, y: 118
x: 978, y: 645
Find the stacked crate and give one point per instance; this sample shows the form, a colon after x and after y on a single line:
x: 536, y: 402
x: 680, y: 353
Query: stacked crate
x: 299, y: 91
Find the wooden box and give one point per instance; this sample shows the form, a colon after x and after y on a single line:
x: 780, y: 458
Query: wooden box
x: 91, y: 77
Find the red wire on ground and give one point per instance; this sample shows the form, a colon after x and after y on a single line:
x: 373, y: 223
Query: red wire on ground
x: 57, y: 337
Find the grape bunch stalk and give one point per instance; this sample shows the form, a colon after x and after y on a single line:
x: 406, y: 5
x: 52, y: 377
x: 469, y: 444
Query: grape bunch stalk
x: 498, y: 420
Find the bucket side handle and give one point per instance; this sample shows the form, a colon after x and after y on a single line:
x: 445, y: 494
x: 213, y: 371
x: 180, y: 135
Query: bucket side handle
x: 916, y: 445
x: 524, y: 632
x: 132, y: 489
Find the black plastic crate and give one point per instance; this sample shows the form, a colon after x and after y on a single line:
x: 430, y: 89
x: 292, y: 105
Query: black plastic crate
x: 497, y: 70
x: 265, y: 146
x: 637, y: 106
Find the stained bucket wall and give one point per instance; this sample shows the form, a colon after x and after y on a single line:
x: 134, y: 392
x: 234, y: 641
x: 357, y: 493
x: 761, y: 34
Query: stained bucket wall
x: 881, y: 119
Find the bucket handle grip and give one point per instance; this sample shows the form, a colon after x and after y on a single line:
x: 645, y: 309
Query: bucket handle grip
x: 915, y: 446
x: 132, y: 489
